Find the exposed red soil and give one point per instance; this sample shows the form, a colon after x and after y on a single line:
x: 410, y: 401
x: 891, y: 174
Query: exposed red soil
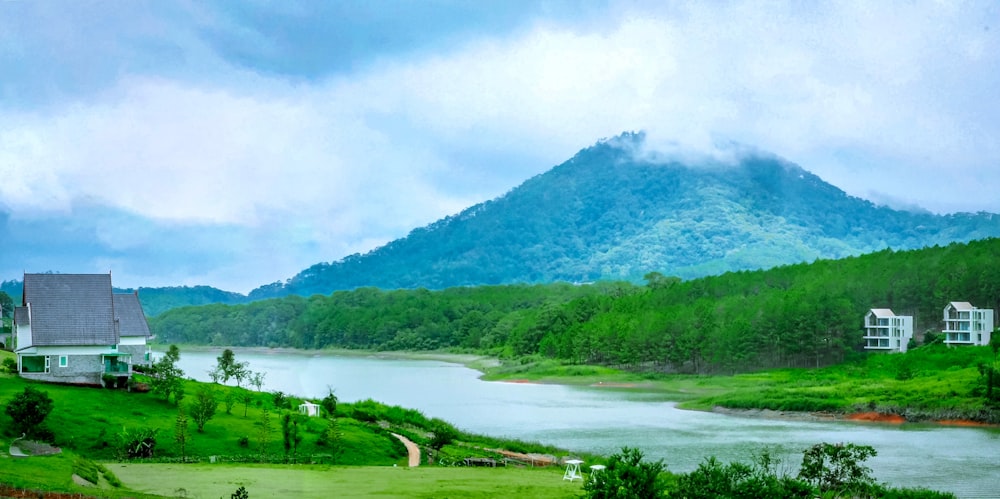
x: 963, y: 422
x: 523, y: 381
x: 876, y: 417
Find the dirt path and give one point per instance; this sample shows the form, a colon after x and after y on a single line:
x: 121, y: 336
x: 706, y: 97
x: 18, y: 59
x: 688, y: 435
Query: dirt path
x: 411, y: 448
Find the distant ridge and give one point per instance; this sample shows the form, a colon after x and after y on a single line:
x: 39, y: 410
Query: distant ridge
x: 613, y: 213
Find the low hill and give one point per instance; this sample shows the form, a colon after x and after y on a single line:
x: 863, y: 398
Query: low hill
x: 614, y: 211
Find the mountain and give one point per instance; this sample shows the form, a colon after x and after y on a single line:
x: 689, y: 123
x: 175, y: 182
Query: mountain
x: 614, y: 211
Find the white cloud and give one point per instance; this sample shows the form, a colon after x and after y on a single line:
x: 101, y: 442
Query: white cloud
x: 864, y: 94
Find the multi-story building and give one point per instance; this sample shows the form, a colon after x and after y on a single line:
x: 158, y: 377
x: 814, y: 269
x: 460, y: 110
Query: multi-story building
x: 965, y: 324
x: 886, y: 331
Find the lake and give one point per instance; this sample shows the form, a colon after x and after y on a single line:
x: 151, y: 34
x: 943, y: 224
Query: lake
x: 965, y: 461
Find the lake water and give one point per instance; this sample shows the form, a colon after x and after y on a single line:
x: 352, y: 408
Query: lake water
x: 965, y: 461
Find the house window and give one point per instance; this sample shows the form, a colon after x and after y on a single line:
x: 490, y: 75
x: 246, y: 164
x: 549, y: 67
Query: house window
x: 34, y: 364
x: 63, y: 361
x: 114, y: 348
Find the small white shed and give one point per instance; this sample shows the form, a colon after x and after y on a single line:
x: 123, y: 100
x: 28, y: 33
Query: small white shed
x: 309, y: 409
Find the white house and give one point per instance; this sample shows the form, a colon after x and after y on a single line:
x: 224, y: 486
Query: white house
x: 886, y: 331
x: 965, y: 324
x: 71, y: 326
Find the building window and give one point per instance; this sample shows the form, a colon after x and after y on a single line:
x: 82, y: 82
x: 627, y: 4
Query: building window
x: 114, y: 348
x: 63, y: 361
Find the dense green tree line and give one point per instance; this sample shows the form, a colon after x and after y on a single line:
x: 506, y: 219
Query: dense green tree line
x: 797, y: 315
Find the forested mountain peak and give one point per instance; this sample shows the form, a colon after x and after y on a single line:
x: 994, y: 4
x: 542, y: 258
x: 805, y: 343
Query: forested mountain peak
x: 620, y: 209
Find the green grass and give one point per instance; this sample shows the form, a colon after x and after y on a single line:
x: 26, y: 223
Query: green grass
x: 320, y: 482
x: 939, y: 383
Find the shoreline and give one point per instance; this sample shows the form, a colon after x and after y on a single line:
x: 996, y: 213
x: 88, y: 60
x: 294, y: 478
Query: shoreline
x: 852, y: 417
x: 483, y: 363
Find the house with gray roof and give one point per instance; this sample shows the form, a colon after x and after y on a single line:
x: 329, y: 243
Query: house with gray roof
x: 73, y: 328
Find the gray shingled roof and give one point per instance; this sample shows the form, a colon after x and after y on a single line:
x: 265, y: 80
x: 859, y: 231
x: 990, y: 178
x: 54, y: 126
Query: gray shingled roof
x: 70, y: 309
x: 131, y: 319
x: 20, y: 315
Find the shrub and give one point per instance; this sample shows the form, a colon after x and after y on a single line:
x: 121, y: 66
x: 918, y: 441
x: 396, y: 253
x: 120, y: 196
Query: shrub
x: 627, y: 476
x: 135, y: 443
x: 29, y: 409
x: 203, y: 408
x: 280, y: 400
x: 444, y: 434
x: 9, y: 365
x: 838, y: 467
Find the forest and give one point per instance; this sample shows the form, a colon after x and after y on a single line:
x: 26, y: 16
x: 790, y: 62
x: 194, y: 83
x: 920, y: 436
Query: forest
x: 791, y: 316
x: 610, y: 213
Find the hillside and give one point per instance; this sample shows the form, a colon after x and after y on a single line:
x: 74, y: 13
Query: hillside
x: 803, y: 315
x: 612, y: 212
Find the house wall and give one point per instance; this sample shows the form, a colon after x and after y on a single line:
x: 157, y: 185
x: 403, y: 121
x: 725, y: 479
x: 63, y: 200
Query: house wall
x: 138, y: 353
x: 80, y: 369
x: 84, y: 365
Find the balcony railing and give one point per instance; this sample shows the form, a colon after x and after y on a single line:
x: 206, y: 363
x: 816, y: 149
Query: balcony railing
x: 118, y: 369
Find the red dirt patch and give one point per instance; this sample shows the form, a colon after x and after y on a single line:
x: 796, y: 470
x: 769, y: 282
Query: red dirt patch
x: 876, y: 417
x: 963, y: 422
x: 523, y: 381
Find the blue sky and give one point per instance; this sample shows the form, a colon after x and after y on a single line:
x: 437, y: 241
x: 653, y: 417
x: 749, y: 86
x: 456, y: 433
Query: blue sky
x: 235, y: 143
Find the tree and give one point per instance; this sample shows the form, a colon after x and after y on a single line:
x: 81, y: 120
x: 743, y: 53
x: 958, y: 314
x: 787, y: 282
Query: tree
x: 627, y: 476
x: 838, y: 467
x: 6, y: 305
x: 226, y: 361
x: 246, y: 397
x: 241, y: 371
x: 166, y: 378
x: 29, y: 409
x: 257, y: 379
x: 181, y: 433
x: 290, y: 435
x: 203, y: 408
x: 332, y: 438
x: 329, y: 403
x: 444, y: 434
x: 263, y: 432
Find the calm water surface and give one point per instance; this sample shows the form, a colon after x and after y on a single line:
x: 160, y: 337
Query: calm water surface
x: 965, y: 461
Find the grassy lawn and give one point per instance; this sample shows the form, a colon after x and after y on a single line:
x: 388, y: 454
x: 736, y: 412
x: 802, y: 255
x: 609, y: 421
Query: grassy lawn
x: 208, y: 480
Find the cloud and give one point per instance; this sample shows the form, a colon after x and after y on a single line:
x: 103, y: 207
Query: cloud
x: 331, y: 155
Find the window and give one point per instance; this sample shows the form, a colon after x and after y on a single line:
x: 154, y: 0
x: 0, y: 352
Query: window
x: 114, y: 348
x: 63, y: 361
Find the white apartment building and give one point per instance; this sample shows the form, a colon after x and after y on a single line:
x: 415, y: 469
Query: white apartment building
x: 886, y: 331
x: 965, y: 324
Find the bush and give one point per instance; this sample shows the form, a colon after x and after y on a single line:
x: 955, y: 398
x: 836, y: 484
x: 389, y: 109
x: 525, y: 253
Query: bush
x: 444, y: 434
x: 627, y: 476
x: 281, y: 400
x: 10, y: 366
x: 135, y: 443
x: 838, y: 467
x: 29, y: 409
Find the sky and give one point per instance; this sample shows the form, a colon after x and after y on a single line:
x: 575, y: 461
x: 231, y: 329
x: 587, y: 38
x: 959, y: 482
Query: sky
x: 235, y: 143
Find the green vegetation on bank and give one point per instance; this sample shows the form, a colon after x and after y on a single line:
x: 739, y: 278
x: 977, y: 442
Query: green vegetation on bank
x: 928, y: 383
